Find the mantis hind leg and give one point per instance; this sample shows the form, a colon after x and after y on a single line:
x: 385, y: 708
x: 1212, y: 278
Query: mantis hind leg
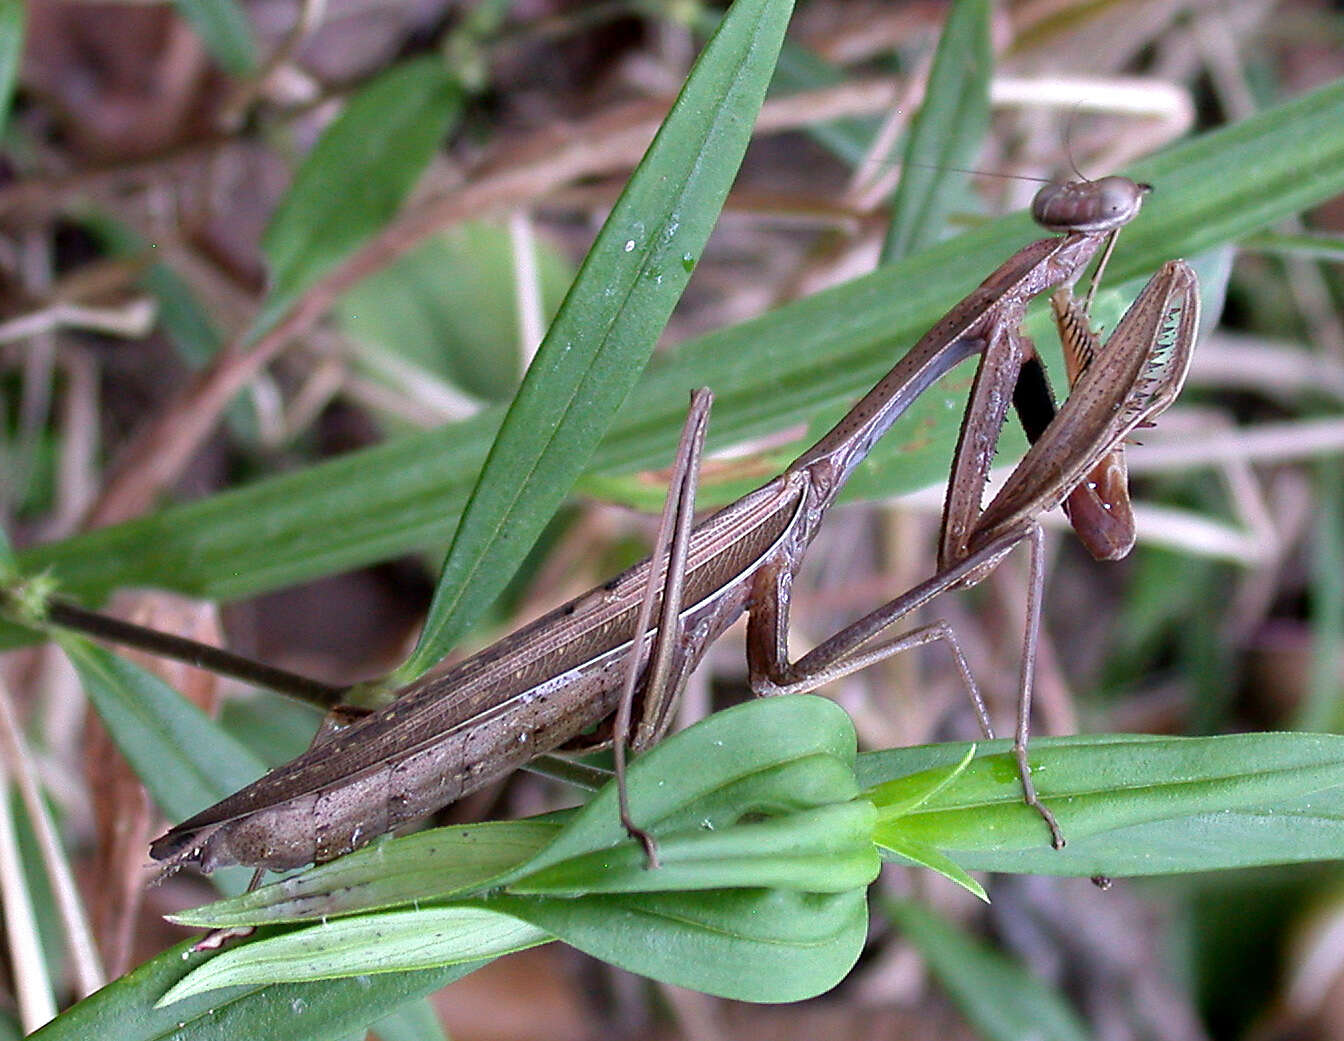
x: 672, y: 544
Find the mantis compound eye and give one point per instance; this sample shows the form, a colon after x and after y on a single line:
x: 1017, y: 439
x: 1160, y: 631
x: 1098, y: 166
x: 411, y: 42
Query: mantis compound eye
x: 1118, y: 198
x: 1088, y: 206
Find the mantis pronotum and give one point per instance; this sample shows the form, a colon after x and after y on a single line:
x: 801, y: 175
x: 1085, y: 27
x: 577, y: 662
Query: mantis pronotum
x: 543, y: 686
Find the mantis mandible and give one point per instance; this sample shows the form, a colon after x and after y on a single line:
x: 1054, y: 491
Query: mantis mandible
x: 545, y: 685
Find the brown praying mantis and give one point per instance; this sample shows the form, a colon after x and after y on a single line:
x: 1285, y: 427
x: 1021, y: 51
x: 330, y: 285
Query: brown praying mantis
x: 628, y: 647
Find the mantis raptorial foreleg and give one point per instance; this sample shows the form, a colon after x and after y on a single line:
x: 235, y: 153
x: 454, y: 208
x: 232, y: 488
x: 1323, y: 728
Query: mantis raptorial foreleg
x: 1132, y: 379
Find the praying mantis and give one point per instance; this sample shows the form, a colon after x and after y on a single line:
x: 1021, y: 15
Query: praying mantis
x: 628, y: 646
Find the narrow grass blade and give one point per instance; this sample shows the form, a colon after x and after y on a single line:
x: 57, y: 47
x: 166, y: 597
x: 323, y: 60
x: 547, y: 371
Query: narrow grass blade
x: 1321, y: 710
x: 225, y: 31
x: 398, y: 942
x: 433, y: 865
x: 356, y: 177
x: 13, y: 23
x: 1001, y: 1000
x: 945, y: 134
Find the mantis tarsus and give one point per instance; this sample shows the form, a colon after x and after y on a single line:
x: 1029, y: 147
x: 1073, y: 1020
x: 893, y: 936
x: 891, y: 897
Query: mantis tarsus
x: 549, y: 683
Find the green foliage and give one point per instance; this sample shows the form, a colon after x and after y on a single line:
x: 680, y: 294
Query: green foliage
x: 356, y: 177
x: 765, y: 854
x: 225, y: 31
x: 1002, y: 1000
x: 1128, y: 804
x: 945, y: 134
x: 124, y: 1009
x: 13, y: 24
x: 449, y: 308
x: 767, y: 844
x: 770, y: 829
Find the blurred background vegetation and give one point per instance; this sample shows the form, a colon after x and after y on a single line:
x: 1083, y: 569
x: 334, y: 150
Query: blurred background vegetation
x: 147, y: 149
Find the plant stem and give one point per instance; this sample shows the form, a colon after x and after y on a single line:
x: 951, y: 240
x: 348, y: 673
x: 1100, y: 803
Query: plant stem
x: 202, y: 655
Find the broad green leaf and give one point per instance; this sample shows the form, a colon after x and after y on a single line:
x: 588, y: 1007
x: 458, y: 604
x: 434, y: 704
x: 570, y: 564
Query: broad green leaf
x: 124, y: 1009
x: 673, y: 784
x: 225, y: 31
x: 356, y: 177
x: 945, y: 134
x: 1127, y: 804
x: 750, y: 945
x: 607, y: 327
x: 825, y: 850
x: 1002, y: 1001
x: 13, y: 23
x: 807, y: 358
x: 400, y: 941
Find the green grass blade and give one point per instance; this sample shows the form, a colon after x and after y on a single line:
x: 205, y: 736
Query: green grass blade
x: 186, y: 761
x: 13, y: 23
x: 225, y: 31
x: 945, y: 134
x: 1304, y: 246
x: 1321, y: 708
x: 414, y: 1021
x: 124, y: 1009
x: 1001, y: 1000
x: 440, y: 864
x: 356, y: 177
x: 609, y: 323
